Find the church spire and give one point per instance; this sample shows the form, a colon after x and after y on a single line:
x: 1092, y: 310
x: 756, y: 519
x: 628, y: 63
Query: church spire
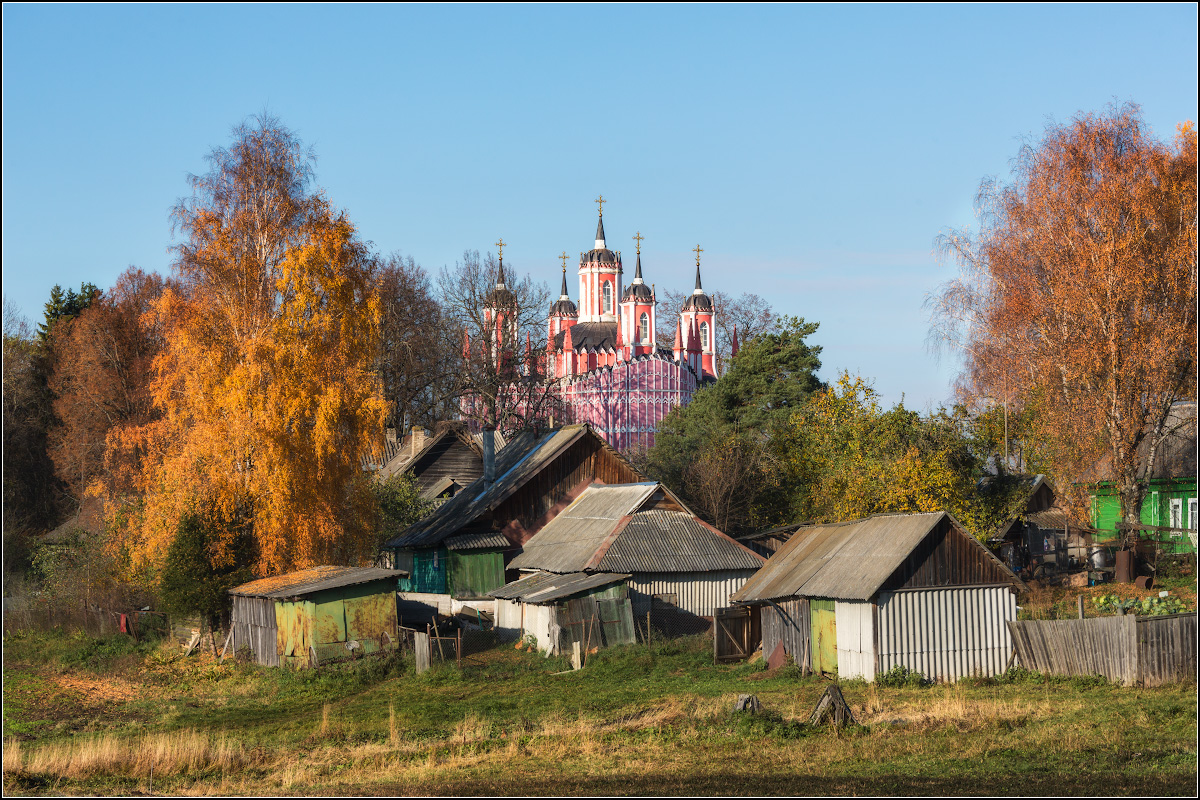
x: 637, y: 275
x: 600, y: 245
x: 698, y: 250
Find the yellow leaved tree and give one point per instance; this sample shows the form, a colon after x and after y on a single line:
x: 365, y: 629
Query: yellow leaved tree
x: 269, y: 402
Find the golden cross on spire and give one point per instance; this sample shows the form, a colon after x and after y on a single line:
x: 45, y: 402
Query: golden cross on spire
x: 600, y: 202
x: 697, y: 250
x: 500, y: 245
x: 637, y: 237
x: 564, y: 260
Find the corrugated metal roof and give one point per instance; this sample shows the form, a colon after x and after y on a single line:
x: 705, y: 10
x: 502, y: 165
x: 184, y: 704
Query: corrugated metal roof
x: 603, y: 530
x: 568, y: 542
x: 545, y: 587
x: 317, y: 579
x: 477, y: 541
x: 672, y: 541
x: 844, y: 560
x: 1054, y: 519
x: 519, y: 461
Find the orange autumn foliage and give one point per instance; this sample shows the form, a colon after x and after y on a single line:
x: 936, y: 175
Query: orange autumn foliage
x: 1078, y: 295
x: 265, y: 384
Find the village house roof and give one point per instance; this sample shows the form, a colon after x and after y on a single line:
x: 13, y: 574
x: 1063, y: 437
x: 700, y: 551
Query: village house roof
x: 639, y: 527
x: 520, y: 460
x: 853, y: 560
x: 546, y: 587
x: 316, y: 579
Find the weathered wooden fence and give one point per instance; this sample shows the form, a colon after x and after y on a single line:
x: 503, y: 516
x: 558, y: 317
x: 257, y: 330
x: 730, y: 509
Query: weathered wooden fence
x: 1145, y: 651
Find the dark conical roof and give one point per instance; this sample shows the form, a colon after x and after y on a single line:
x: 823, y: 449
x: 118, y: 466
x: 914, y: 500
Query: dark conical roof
x: 638, y: 290
x: 698, y: 300
x: 600, y: 230
x: 563, y: 306
x: 501, y: 294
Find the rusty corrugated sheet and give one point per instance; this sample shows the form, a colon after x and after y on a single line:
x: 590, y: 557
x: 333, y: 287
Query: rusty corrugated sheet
x: 316, y: 579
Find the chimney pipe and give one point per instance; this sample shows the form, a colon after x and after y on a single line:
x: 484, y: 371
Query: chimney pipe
x: 489, y: 457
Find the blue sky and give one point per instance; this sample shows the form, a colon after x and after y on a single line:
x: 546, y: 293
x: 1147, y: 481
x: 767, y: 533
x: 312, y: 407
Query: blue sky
x: 814, y: 152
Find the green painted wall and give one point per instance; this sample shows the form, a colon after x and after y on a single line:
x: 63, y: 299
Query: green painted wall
x: 475, y: 573
x: 325, y: 621
x: 1156, y: 510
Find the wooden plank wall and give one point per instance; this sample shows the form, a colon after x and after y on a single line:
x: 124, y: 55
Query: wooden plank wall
x: 254, y: 626
x: 1128, y: 650
x: 946, y: 557
x: 787, y: 622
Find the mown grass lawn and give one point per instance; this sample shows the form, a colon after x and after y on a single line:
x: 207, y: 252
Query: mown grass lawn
x: 105, y: 716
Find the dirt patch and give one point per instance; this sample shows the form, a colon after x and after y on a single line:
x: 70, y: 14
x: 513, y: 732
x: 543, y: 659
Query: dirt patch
x: 46, y: 704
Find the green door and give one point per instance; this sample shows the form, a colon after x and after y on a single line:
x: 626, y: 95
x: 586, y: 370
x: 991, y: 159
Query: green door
x: 824, y: 635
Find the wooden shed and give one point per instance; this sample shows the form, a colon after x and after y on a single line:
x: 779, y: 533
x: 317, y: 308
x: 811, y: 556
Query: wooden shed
x: 911, y: 590
x: 558, y: 610
x: 678, y: 568
x: 314, y: 615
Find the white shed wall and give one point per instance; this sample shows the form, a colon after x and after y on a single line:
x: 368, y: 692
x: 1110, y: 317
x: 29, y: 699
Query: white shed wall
x: 855, y: 620
x: 946, y: 634
x: 698, y: 592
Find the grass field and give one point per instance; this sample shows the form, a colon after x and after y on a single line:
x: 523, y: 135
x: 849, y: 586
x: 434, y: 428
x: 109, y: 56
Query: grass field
x: 106, y: 716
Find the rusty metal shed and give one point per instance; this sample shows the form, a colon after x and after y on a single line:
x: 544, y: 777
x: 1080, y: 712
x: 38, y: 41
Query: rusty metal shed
x: 912, y: 590
x: 306, y: 617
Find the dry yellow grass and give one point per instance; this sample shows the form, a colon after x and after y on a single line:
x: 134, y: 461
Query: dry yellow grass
x: 165, y: 754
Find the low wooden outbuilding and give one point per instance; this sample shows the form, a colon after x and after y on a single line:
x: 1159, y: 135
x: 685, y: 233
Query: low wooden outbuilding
x: 675, y: 567
x: 911, y: 590
x: 314, y: 615
x: 558, y: 610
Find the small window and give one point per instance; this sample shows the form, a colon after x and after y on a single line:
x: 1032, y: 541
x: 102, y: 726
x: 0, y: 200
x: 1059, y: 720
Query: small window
x: 1176, y: 515
x: 608, y: 297
x: 645, y: 325
x: 704, y: 336
x: 1192, y: 513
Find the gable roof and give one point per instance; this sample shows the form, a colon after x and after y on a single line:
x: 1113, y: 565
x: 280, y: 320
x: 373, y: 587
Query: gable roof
x: 606, y: 529
x: 316, y: 579
x: 520, y: 460
x: 848, y: 560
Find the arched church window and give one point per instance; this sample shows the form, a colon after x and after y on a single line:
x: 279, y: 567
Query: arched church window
x: 704, y: 336
x: 608, y: 297
x: 645, y: 325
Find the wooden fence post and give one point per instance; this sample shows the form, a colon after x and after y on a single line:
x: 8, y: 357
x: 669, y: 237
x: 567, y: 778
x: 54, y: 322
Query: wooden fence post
x: 1081, y: 606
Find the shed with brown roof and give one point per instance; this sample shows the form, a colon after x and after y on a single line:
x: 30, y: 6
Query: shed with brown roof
x: 304, y: 618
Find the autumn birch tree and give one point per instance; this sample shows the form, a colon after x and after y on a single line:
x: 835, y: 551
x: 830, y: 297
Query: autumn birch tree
x: 1078, y: 293
x: 266, y: 380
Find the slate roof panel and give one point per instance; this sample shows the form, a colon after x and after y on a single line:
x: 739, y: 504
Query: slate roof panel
x: 546, y: 587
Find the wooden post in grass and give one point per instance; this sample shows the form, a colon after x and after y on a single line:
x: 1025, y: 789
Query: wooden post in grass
x: 647, y: 628
x: 458, y: 650
x: 1081, y: 606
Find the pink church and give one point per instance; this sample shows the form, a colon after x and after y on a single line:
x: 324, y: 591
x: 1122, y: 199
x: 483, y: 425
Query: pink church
x: 602, y: 356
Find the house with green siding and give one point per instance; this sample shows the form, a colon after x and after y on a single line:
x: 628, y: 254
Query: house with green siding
x: 460, y: 552
x: 1169, y: 508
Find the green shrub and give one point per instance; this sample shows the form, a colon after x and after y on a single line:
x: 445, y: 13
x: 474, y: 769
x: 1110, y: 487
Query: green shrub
x: 901, y: 677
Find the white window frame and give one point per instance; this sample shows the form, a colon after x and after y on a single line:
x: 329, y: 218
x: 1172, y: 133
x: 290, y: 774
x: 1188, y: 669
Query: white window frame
x: 644, y: 327
x: 1177, y: 520
x: 704, y: 331
x: 1192, y: 513
x: 607, y: 292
